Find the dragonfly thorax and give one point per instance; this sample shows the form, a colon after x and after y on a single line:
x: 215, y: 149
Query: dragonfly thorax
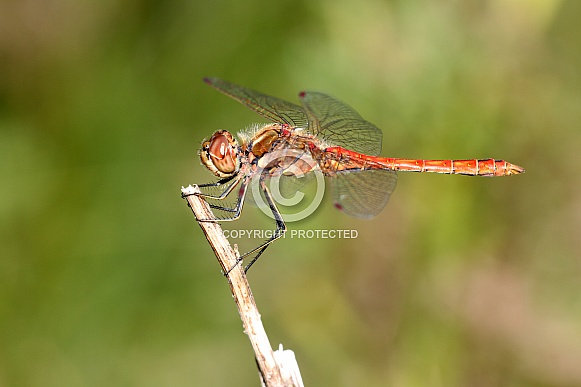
x: 220, y: 154
x: 264, y: 139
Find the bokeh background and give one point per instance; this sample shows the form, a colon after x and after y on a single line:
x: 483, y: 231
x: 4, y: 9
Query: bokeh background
x: 106, y: 279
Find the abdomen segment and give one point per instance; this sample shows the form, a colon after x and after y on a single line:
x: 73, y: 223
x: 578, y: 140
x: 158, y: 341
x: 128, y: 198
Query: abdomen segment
x: 473, y: 167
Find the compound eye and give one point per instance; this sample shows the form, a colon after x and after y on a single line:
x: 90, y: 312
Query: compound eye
x: 218, y: 147
x: 221, y: 153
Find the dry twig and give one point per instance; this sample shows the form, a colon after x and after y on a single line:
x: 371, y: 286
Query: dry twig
x: 283, y: 372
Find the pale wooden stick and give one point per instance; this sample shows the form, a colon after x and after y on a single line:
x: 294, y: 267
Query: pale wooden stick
x: 273, y: 373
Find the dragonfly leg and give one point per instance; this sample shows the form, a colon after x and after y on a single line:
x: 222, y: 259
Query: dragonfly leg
x: 278, y: 232
x: 234, y: 180
x: 236, y: 210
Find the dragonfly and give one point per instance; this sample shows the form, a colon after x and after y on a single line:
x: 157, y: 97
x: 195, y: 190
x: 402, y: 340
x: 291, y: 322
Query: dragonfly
x: 344, y: 147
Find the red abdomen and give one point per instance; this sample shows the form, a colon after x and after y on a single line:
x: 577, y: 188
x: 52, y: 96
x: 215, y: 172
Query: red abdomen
x: 474, y: 167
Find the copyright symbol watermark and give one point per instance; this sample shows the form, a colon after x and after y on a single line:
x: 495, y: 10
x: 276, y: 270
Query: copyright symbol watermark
x: 287, y: 172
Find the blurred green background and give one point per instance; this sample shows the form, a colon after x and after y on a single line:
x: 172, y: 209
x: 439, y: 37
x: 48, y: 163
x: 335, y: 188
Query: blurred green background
x: 106, y: 279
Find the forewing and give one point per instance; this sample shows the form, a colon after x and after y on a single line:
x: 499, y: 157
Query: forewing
x: 271, y: 108
x: 339, y: 124
x: 363, y: 193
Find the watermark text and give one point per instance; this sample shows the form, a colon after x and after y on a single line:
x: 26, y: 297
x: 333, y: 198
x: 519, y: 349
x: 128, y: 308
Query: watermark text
x: 299, y: 234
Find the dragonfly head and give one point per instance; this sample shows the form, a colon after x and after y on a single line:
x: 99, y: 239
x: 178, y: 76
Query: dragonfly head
x: 220, y: 154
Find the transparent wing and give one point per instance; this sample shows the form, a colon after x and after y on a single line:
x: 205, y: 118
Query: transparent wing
x: 285, y: 189
x: 363, y: 193
x: 339, y: 124
x: 271, y: 108
x: 286, y: 177
x: 290, y: 185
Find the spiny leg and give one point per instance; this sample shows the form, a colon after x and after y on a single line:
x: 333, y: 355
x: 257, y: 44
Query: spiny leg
x: 237, y: 209
x: 235, y: 180
x: 278, y: 232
